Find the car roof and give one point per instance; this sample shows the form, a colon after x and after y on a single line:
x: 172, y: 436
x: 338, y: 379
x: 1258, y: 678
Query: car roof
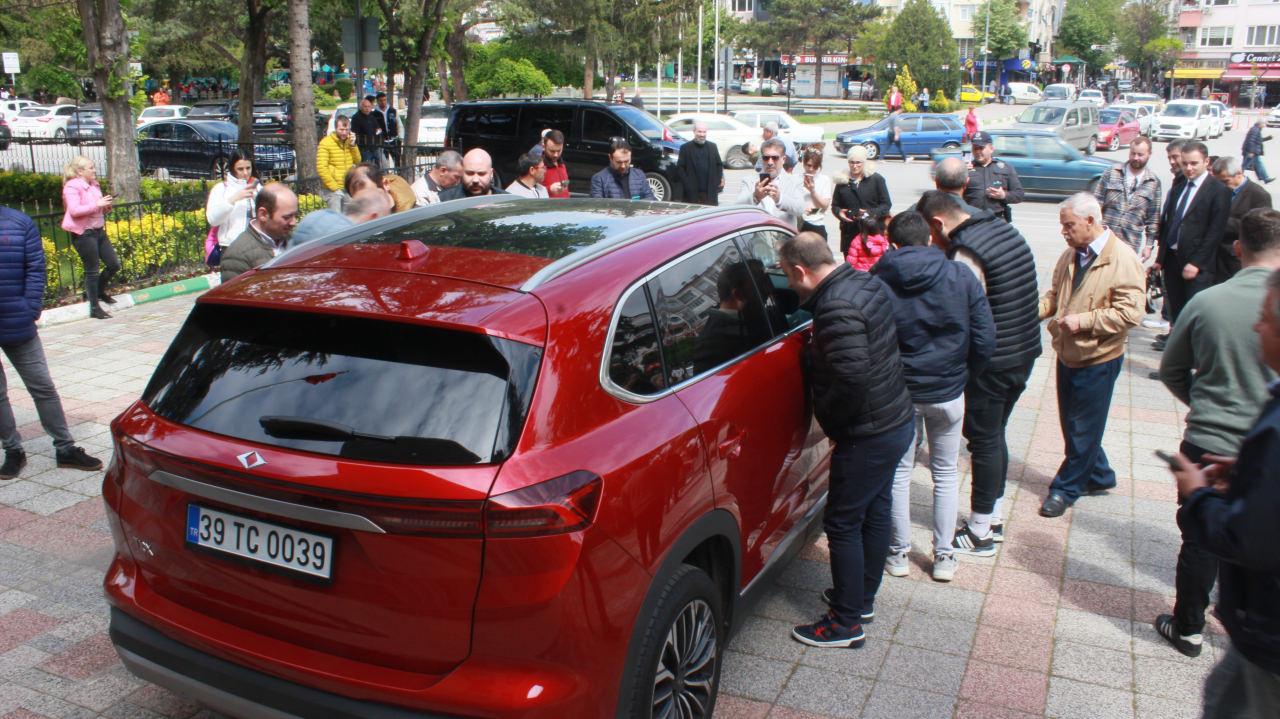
x: 1189, y: 102
x: 1020, y: 129
x: 498, y: 240
x: 1059, y: 103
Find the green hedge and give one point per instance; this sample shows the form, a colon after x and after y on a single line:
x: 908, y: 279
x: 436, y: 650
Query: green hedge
x: 27, y: 189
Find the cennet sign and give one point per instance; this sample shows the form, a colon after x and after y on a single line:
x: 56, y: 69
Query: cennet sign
x: 1269, y: 60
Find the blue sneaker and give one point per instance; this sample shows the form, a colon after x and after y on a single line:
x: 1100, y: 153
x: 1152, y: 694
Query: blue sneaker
x: 827, y: 632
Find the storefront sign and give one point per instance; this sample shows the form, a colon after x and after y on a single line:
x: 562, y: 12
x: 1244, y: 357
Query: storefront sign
x: 813, y: 59
x: 1260, y: 59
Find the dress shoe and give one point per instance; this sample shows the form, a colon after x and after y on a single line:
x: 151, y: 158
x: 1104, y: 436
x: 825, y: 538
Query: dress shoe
x: 104, y: 297
x: 98, y: 313
x: 1153, y: 375
x: 1158, y: 345
x: 1054, y: 505
x: 1097, y: 490
x: 14, y: 461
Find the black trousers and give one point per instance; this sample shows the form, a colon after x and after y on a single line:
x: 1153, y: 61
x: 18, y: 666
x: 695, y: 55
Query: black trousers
x: 1197, y: 571
x: 95, y: 249
x: 1177, y: 291
x: 989, y: 399
x: 815, y: 227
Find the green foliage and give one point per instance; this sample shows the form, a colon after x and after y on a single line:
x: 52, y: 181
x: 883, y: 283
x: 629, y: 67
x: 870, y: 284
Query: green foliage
x: 42, y: 191
x: 1087, y: 23
x: 280, y: 92
x: 508, y: 77
x: 345, y: 88
x: 940, y: 103
x: 51, y: 44
x: 1142, y: 22
x: 907, y: 86
x: 324, y: 98
x: 1008, y: 35
x: 563, y: 69
x: 815, y: 25
x: 921, y: 38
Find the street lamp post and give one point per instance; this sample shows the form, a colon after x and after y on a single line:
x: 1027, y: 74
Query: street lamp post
x: 986, y: 49
x: 946, y: 71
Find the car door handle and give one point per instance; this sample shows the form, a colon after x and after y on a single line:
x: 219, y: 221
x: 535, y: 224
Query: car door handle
x: 731, y: 446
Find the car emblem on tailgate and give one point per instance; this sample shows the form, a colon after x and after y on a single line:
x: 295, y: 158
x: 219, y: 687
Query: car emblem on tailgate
x: 251, y: 459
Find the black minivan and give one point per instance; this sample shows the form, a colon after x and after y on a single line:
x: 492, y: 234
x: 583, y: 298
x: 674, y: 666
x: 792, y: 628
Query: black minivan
x: 508, y: 128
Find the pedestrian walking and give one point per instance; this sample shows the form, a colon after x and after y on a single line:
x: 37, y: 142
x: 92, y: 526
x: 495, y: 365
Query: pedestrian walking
x: 1213, y: 364
x: 1253, y: 150
x: 1191, y: 228
x: 860, y: 399
x: 924, y: 99
x: 1096, y: 295
x: 1230, y: 509
x: 863, y: 194
x: 369, y: 131
x: 230, y: 207
x: 86, y: 218
x: 700, y: 168
x: 1246, y: 196
x: 945, y: 334
x: 335, y: 154
x: 971, y: 126
x: 1130, y: 199
x: 1001, y: 259
x: 818, y: 192
x: 895, y: 135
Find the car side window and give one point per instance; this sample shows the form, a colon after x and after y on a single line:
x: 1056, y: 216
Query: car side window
x: 932, y: 124
x: 498, y: 121
x: 681, y: 125
x: 182, y: 133
x: 1047, y: 148
x: 1073, y: 118
x: 782, y: 304
x: 635, y: 360
x: 162, y: 131
x: 1010, y: 146
x: 600, y: 126
x: 708, y: 311
x: 538, y: 117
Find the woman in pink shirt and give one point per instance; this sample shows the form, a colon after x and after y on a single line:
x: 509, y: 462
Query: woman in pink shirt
x: 970, y: 125
x: 85, y: 219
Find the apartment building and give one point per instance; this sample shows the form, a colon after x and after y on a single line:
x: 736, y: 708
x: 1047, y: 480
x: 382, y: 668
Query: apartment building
x: 1230, y: 44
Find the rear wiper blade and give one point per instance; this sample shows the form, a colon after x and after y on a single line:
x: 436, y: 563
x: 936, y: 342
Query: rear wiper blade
x: 283, y: 427
x: 414, y: 450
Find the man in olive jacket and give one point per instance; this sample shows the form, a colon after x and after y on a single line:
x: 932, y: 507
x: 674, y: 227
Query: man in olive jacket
x: 1097, y: 294
x: 267, y: 234
x: 861, y: 400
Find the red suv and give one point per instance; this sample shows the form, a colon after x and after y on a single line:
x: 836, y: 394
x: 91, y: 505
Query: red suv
x: 493, y: 458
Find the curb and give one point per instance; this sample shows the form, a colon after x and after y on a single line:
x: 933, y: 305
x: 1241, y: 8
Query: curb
x: 80, y: 310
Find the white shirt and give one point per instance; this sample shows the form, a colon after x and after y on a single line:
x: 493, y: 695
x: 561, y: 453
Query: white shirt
x: 230, y: 218
x: 1189, y: 190
x: 790, y: 206
x: 537, y: 192
x: 823, y: 188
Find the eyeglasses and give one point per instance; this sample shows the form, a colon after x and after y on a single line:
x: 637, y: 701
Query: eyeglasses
x: 772, y: 158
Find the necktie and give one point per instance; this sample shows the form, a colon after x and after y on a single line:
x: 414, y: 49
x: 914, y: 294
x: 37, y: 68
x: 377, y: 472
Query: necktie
x: 1175, y: 222
x: 1082, y: 257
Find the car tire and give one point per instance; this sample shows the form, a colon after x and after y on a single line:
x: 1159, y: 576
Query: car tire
x: 873, y: 150
x: 951, y: 146
x: 1115, y: 143
x: 220, y: 167
x: 4, y: 146
x: 681, y: 649
x: 1092, y: 147
x: 60, y: 134
x: 661, y: 187
x: 737, y: 159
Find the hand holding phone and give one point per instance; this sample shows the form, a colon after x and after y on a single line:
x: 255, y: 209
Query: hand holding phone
x: 1169, y: 459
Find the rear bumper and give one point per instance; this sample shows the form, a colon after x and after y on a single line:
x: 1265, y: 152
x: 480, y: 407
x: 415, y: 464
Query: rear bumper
x: 230, y: 688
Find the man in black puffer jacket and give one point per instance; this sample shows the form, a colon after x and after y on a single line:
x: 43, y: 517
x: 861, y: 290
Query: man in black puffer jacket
x: 1003, y: 263
x: 945, y: 331
x: 860, y: 398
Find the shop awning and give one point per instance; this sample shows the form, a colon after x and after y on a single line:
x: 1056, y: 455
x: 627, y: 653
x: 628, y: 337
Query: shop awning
x: 1248, y: 76
x: 1068, y: 60
x: 1196, y: 73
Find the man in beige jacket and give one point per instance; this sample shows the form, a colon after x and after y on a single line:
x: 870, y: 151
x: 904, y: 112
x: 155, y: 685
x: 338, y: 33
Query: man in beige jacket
x: 1097, y: 294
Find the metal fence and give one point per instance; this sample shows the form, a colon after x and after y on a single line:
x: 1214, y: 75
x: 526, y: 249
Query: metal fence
x: 156, y: 240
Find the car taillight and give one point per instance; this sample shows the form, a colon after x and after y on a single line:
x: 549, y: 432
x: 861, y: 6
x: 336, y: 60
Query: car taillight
x: 666, y: 135
x: 556, y: 506
x: 43, y: 119
x: 128, y: 455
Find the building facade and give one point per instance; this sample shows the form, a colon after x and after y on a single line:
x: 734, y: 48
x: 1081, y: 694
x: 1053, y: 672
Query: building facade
x: 1232, y: 45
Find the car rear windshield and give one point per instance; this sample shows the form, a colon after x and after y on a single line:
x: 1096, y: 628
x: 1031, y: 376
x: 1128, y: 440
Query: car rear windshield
x: 1176, y: 110
x: 1042, y: 115
x: 199, y: 110
x: 1109, y: 117
x: 34, y: 112
x: 349, y: 387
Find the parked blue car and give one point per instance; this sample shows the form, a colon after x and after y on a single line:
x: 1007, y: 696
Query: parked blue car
x: 1045, y: 163
x: 203, y: 149
x: 921, y: 133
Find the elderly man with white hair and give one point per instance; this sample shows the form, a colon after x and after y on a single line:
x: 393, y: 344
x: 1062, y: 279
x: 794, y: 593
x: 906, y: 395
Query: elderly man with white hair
x: 1098, y: 292
x: 770, y: 131
x: 700, y: 168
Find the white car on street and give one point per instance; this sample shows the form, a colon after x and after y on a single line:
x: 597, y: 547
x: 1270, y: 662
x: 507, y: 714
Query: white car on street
x: 1184, y: 120
x: 1228, y: 116
x: 1273, y: 117
x: 1145, y: 114
x: 431, y: 123
x: 1094, y: 96
x: 9, y: 109
x: 46, y: 121
x: 162, y: 112
x: 801, y: 136
x: 737, y: 143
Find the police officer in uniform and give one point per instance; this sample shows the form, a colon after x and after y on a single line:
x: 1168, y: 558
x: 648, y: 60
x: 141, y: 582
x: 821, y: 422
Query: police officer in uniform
x: 993, y: 185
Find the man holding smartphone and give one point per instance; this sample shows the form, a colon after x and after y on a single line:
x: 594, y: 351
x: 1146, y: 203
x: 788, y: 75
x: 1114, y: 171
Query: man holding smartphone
x: 778, y: 193
x: 993, y: 185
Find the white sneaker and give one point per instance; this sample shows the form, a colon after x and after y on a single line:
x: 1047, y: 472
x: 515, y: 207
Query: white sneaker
x: 944, y: 567
x: 897, y: 564
x: 1155, y: 323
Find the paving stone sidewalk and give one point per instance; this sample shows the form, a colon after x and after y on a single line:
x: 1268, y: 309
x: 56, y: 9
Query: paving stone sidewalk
x: 1058, y: 624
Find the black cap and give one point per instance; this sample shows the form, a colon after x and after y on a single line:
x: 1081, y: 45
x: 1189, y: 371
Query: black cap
x: 981, y: 138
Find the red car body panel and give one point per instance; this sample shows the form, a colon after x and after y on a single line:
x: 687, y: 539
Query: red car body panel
x: 1126, y: 130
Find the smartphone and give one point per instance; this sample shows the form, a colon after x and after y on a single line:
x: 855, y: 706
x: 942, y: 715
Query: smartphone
x: 765, y: 177
x: 996, y: 184
x: 1168, y: 459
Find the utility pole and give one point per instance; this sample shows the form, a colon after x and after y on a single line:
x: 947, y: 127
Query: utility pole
x: 722, y: 83
x: 700, y: 78
x: 986, y: 53
x: 680, y: 62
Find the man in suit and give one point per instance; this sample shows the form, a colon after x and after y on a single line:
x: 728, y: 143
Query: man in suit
x: 1245, y: 196
x: 1191, y: 226
x: 390, y: 121
x: 701, y: 169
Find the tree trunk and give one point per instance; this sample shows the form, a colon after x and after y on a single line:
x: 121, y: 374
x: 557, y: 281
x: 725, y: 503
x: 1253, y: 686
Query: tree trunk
x: 304, y: 104
x: 610, y: 79
x: 589, y: 67
x: 432, y: 10
x: 456, y: 50
x: 252, y: 63
x: 817, y: 76
x: 107, y: 46
x: 442, y: 73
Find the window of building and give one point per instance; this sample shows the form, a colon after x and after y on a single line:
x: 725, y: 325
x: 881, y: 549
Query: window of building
x: 965, y: 46
x: 1264, y: 35
x: 1219, y: 36
x: 744, y: 5
x: 965, y: 12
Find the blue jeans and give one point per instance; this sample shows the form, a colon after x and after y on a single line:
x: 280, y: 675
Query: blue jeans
x: 857, y: 519
x: 897, y: 142
x: 1084, y: 400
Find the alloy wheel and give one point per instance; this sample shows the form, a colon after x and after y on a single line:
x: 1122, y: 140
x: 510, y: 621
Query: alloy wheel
x: 684, y: 683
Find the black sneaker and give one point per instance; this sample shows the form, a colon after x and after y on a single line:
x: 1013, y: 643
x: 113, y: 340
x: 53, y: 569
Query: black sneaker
x: 997, y: 533
x: 14, y: 461
x: 1189, y: 644
x: 829, y: 596
x: 966, y: 542
x: 76, y: 458
x: 826, y: 632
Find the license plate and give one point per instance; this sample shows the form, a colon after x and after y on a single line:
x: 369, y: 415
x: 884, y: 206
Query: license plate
x: 262, y: 120
x: 258, y: 541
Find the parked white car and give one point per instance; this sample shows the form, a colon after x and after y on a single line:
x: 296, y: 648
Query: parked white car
x: 801, y: 135
x: 9, y: 109
x: 162, y: 112
x: 1228, y: 115
x: 1144, y: 113
x: 738, y: 143
x: 1273, y: 117
x: 47, y: 121
x: 431, y: 123
x: 1025, y: 93
x: 1216, y: 121
x: 755, y: 84
x: 1094, y: 96
x: 1184, y: 120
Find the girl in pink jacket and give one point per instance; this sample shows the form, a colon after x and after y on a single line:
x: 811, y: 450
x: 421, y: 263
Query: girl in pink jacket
x: 85, y: 219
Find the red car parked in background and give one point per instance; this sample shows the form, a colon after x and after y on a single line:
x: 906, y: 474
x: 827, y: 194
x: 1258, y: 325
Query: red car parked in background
x: 493, y: 458
x: 1116, y: 128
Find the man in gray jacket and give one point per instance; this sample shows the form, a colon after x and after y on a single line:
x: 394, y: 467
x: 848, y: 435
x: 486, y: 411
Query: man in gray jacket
x: 268, y: 231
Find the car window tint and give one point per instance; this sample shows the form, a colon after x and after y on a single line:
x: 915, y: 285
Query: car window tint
x: 635, y: 360
x: 1073, y: 117
x: 162, y: 131
x: 600, y: 126
x: 748, y: 118
x: 182, y: 133
x: 718, y: 125
x: 1009, y: 145
x: 538, y: 117
x: 782, y: 304
x: 932, y: 124
x: 1046, y: 148
x: 498, y: 121
x: 708, y: 311
x: 681, y: 125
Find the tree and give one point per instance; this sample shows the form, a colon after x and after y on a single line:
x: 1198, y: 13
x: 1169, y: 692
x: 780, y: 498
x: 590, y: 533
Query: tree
x: 1141, y: 22
x: 511, y: 77
x: 253, y: 61
x: 51, y: 43
x: 107, y: 52
x: 430, y: 13
x: 1008, y: 35
x: 1087, y: 23
x: 921, y: 38
x: 815, y: 25
x: 304, y: 104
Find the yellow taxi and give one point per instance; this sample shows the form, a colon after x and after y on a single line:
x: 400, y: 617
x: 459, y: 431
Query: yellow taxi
x: 970, y: 93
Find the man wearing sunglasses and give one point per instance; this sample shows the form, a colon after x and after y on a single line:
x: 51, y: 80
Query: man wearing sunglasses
x: 776, y: 192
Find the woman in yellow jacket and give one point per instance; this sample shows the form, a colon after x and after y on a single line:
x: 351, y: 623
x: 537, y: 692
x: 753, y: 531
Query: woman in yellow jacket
x: 335, y: 155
